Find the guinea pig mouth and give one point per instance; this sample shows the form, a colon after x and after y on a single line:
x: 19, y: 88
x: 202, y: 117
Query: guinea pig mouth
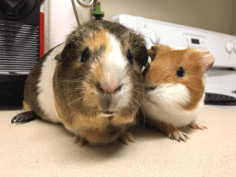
x: 108, y: 112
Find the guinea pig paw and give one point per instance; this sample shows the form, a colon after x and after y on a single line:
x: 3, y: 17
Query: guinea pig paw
x: 196, y: 125
x: 126, y: 138
x: 79, y: 140
x: 24, y: 117
x: 178, y: 136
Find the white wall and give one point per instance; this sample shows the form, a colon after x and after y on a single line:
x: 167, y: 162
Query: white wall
x: 214, y: 15
x: 234, y: 18
x: 60, y: 20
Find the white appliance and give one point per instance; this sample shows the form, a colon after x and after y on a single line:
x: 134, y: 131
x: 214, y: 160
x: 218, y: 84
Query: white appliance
x: 220, y: 79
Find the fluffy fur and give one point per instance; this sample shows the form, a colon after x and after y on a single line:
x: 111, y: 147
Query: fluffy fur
x: 95, y: 86
x: 172, y: 101
x: 45, y: 86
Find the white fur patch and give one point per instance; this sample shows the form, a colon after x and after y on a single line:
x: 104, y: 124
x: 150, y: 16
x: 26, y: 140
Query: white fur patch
x: 114, y: 63
x: 45, y: 85
x: 164, y: 104
x: 115, y: 72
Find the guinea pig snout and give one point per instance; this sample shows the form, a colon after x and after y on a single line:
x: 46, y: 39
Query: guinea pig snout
x: 108, y: 96
x: 149, y: 88
x: 108, y: 90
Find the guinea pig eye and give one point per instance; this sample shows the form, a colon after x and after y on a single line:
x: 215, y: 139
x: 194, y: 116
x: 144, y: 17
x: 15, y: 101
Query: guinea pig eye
x: 130, y: 57
x: 85, y: 55
x: 180, y: 72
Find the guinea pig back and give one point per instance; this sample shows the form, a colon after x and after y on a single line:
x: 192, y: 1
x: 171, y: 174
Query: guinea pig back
x: 98, y: 84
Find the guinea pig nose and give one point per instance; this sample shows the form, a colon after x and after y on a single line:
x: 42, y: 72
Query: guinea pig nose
x: 150, y: 87
x: 108, y: 90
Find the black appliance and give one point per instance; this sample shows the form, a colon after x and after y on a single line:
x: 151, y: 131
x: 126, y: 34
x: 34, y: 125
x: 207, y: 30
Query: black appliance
x: 19, y: 47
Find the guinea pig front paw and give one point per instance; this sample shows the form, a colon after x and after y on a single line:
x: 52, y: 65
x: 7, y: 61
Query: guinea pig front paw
x: 178, y: 135
x: 24, y: 117
x: 79, y: 140
x: 126, y: 138
x: 196, y: 125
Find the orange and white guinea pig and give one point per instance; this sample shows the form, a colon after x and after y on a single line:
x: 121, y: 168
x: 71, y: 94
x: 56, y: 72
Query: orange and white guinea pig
x: 175, y: 83
x: 92, y: 83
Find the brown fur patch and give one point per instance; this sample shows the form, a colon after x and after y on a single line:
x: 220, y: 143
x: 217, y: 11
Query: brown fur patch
x: 166, y: 128
x: 158, y: 49
x: 101, y: 130
x: 98, y: 39
x: 62, y: 113
x: 27, y: 106
x: 90, y: 97
x: 121, y: 120
x: 94, y: 129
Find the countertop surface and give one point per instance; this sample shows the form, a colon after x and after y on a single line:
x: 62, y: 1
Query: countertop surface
x: 39, y: 148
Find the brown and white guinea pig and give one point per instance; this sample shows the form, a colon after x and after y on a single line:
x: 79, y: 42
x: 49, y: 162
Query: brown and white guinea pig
x: 175, y: 83
x: 92, y: 83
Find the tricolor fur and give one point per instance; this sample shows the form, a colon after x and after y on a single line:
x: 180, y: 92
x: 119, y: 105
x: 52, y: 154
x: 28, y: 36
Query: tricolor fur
x: 71, y: 90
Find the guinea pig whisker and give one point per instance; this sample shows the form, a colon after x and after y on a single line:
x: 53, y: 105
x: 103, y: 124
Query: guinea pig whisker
x: 87, y: 72
x: 74, y: 101
x: 131, y: 106
x: 70, y: 81
x: 133, y: 125
x: 69, y: 91
x: 141, y: 108
x: 140, y: 84
x: 141, y: 118
x: 140, y: 92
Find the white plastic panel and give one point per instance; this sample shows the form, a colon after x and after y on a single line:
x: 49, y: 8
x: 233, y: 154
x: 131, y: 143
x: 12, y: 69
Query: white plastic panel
x: 175, y: 35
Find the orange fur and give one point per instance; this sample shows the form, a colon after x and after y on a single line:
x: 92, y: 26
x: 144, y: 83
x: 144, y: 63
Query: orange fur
x: 120, y: 120
x: 158, y: 49
x: 27, y: 106
x: 96, y: 128
x: 168, y: 128
x: 165, y: 64
x: 62, y: 113
x: 90, y: 97
x: 95, y: 41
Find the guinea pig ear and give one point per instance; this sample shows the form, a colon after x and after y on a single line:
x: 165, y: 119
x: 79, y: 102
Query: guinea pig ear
x: 157, y: 50
x: 142, y: 56
x: 207, y: 60
x: 58, y: 56
x: 153, y: 52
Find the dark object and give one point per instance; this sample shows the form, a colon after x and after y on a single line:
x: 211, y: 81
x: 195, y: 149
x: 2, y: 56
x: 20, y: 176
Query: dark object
x: 97, y: 14
x: 130, y: 57
x: 24, y: 11
x: 19, y: 47
x: 11, y: 89
x: 85, y: 55
x: 180, y: 72
x: 24, y: 117
x: 219, y: 99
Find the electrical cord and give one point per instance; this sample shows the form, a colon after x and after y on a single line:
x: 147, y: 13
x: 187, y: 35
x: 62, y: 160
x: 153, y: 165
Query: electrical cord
x: 75, y: 11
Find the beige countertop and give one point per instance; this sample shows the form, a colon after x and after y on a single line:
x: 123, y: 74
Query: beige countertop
x: 38, y: 148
